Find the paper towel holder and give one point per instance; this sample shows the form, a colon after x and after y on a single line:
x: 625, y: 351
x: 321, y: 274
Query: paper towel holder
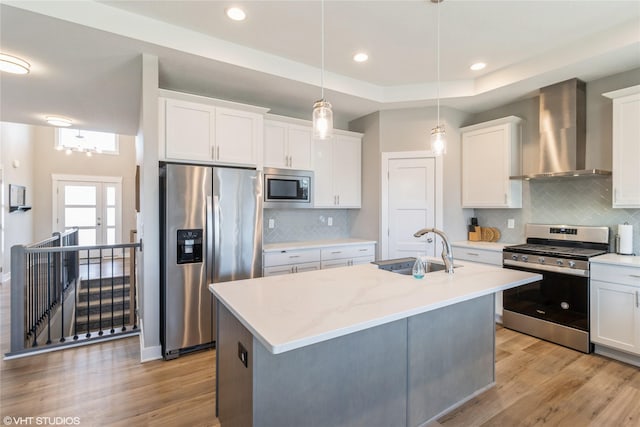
x: 617, y: 243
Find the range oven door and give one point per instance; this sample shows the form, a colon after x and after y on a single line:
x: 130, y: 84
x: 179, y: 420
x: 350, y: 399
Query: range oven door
x: 557, y: 298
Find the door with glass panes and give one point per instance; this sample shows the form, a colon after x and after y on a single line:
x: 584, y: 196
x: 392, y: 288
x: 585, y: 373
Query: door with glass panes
x: 93, y: 206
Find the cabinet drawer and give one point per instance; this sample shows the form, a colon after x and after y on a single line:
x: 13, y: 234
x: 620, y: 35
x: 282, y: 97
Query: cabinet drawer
x: 616, y: 274
x: 351, y: 251
x: 291, y: 257
x: 477, y: 255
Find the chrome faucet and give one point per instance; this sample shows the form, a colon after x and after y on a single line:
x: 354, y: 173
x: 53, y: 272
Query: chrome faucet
x: 447, y: 253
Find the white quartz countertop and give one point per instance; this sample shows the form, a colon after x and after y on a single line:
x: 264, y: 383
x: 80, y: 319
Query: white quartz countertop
x: 615, y: 259
x: 313, y: 244
x: 490, y: 246
x: 296, y: 310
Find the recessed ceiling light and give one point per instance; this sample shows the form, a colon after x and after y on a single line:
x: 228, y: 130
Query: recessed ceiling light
x: 478, y: 66
x: 14, y: 65
x: 360, y: 57
x: 236, y: 14
x: 58, y: 121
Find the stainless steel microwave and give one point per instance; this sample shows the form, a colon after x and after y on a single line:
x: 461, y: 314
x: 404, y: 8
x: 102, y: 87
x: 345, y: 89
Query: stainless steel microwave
x: 287, y: 188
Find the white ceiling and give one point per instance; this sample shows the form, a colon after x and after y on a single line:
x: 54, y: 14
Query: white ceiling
x: 85, y: 55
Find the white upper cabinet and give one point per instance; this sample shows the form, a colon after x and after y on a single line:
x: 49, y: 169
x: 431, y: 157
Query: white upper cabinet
x: 626, y: 147
x: 204, y: 130
x: 238, y: 137
x: 337, y: 165
x: 189, y: 130
x: 490, y: 155
x: 287, y: 145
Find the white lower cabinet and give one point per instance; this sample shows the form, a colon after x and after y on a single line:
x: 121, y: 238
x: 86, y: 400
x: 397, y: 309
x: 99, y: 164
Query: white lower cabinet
x: 343, y: 256
x: 290, y: 261
x: 309, y: 259
x: 492, y: 256
x: 615, y: 307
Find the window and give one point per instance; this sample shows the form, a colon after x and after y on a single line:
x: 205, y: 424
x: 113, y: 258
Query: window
x: 85, y: 141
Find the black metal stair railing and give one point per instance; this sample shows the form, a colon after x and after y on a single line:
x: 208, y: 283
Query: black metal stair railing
x: 63, y: 294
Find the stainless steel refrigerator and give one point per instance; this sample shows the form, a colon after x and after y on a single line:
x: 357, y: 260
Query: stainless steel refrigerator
x: 211, y: 231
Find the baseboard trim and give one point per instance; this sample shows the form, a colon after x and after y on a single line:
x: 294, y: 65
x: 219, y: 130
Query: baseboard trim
x: 617, y: 354
x: 147, y: 354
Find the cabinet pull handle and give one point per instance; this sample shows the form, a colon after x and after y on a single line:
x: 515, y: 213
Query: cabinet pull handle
x: 472, y: 254
x: 637, y: 298
x: 294, y: 256
x: 506, y: 199
x: 363, y: 250
x: 338, y: 199
x: 336, y: 252
x: 213, y: 153
x: 635, y: 276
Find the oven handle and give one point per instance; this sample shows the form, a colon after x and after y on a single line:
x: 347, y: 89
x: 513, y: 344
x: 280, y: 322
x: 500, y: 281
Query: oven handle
x: 563, y: 270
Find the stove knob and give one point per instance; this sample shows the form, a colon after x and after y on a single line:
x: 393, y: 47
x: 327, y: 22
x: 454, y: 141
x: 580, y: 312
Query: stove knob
x: 559, y: 262
x: 525, y: 258
x: 572, y: 264
x: 514, y: 257
x: 541, y: 260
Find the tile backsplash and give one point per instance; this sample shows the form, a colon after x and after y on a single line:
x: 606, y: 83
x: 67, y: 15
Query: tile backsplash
x: 573, y: 201
x: 292, y: 225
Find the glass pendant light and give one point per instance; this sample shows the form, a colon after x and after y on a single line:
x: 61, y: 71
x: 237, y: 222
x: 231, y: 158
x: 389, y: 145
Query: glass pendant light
x: 438, y: 136
x: 322, y: 114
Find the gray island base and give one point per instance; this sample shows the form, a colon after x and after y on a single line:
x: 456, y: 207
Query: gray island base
x: 406, y: 372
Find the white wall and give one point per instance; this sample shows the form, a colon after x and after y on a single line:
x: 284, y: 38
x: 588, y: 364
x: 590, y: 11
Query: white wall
x: 148, y: 219
x: 16, y: 148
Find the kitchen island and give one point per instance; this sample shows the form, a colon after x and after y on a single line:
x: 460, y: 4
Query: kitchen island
x: 355, y: 346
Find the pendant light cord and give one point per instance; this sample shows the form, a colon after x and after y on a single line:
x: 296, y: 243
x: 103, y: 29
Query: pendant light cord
x: 322, y: 48
x: 438, y: 61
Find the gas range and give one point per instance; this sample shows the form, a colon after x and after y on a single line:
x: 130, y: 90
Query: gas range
x: 555, y: 308
x: 559, y: 248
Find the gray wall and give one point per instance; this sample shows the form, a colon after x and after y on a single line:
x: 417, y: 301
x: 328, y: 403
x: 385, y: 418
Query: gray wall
x: 48, y: 161
x: 365, y: 222
x: 585, y: 201
x: 16, y: 155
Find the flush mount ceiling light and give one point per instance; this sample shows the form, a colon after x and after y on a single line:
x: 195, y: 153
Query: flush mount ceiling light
x: 58, y: 121
x: 360, y: 57
x: 236, y: 14
x: 438, y: 137
x: 14, y: 65
x: 478, y: 66
x: 322, y: 116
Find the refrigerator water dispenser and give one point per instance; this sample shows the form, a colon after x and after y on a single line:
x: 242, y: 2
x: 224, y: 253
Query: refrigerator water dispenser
x: 189, y: 244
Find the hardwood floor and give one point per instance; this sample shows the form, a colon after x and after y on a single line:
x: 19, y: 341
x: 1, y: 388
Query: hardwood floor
x: 537, y: 384
x: 543, y: 384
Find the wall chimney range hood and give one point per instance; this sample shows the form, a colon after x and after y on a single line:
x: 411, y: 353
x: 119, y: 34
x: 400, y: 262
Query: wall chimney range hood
x: 562, y: 126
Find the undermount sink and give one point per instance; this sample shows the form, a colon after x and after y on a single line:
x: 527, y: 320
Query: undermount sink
x: 404, y: 266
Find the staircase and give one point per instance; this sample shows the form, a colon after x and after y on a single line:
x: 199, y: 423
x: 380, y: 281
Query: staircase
x: 103, y: 304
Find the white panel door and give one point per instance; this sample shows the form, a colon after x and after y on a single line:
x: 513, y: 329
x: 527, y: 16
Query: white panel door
x: 411, y: 190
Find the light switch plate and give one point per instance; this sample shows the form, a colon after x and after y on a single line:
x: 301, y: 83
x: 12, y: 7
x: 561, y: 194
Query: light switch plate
x: 272, y: 223
x: 511, y: 223
x: 330, y: 221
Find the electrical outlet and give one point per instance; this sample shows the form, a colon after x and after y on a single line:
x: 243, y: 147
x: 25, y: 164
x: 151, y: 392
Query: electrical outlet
x: 272, y: 223
x: 511, y: 223
x: 330, y: 221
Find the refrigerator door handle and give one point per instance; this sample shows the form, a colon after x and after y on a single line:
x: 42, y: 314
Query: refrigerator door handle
x: 210, y: 235
x: 215, y: 241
